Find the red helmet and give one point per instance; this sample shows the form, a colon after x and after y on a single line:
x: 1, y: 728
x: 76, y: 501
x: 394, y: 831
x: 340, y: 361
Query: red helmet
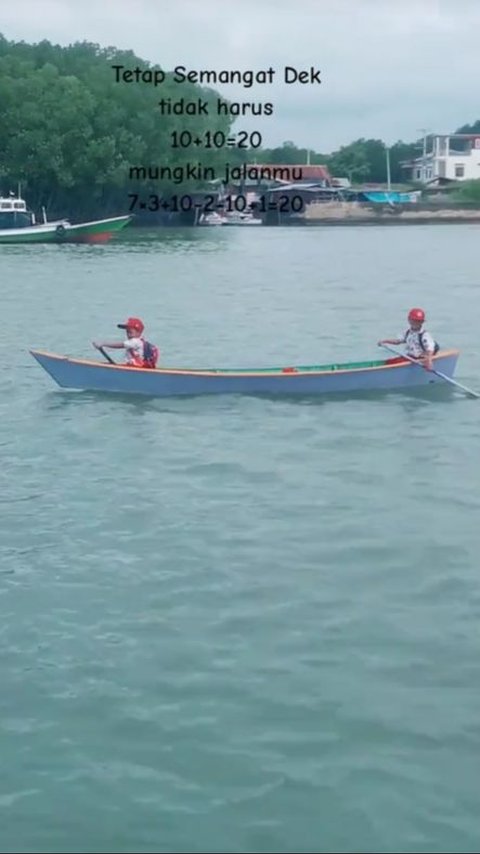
x: 417, y: 314
x: 132, y: 323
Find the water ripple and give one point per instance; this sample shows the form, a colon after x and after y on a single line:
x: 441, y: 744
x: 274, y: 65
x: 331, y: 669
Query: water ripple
x: 239, y: 624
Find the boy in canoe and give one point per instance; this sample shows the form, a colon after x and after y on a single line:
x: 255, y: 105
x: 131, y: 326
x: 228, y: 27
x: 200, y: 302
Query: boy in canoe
x: 140, y: 353
x: 419, y: 344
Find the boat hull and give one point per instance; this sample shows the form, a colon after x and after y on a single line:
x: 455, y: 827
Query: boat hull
x: 62, y: 231
x: 99, y: 231
x: 33, y: 234
x: 317, y: 380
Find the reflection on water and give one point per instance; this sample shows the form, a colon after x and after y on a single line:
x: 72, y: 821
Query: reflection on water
x: 176, y: 240
x: 422, y: 396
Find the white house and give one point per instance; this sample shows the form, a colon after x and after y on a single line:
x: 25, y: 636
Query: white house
x: 454, y: 156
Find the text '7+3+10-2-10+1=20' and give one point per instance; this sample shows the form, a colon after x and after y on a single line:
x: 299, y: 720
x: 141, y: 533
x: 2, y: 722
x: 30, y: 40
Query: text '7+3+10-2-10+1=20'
x: 210, y: 203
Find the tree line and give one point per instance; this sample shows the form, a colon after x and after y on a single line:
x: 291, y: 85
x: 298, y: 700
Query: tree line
x: 69, y: 134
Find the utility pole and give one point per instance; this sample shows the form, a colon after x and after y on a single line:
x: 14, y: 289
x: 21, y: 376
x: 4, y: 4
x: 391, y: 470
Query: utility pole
x: 424, y: 132
x: 387, y: 153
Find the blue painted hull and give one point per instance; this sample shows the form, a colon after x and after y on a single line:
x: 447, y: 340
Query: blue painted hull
x: 165, y: 382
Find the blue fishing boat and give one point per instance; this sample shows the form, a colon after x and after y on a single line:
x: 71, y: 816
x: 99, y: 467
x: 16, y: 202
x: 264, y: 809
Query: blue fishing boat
x: 383, y: 374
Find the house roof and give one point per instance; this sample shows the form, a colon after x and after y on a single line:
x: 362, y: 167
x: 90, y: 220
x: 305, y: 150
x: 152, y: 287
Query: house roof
x: 315, y: 173
x: 308, y: 188
x: 455, y: 135
x: 417, y: 161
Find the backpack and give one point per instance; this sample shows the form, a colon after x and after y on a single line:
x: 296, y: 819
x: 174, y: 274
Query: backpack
x: 422, y: 345
x: 150, y: 355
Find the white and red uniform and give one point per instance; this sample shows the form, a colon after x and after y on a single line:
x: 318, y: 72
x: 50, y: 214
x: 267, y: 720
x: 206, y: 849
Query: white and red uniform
x: 413, y: 340
x: 134, y: 348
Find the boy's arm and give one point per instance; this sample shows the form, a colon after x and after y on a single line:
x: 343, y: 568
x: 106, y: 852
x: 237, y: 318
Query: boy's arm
x: 117, y: 345
x: 427, y: 361
x: 429, y: 344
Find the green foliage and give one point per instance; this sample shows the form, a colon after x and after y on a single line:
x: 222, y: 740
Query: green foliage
x: 469, y: 190
x: 351, y: 161
x: 288, y: 154
x: 475, y: 128
x: 364, y: 160
x: 69, y: 133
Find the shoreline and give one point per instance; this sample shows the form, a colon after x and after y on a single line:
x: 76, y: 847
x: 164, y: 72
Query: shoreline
x: 390, y: 221
x: 341, y: 213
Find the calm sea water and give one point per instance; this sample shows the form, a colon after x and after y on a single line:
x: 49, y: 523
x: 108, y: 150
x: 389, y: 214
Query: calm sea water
x: 240, y: 625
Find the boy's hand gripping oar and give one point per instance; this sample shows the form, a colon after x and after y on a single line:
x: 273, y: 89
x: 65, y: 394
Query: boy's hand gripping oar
x: 438, y: 373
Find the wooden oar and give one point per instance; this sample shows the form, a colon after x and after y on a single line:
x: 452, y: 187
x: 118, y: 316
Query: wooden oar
x: 438, y: 373
x: 108, y: 358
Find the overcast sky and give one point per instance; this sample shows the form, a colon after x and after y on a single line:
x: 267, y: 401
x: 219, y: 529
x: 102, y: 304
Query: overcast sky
x: 388, y: 67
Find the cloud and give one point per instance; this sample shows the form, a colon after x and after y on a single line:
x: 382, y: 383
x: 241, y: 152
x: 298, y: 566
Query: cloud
x: 387, y: 68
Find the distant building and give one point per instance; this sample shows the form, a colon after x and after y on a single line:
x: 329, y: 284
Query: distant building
x: 447, y: 157
x: 289, y: 173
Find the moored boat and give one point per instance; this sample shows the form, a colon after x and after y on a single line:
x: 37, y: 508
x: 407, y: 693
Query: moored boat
x: 348, y: 377
x: 18, y: 225
x: 98, y: 231
x: 242, y: 218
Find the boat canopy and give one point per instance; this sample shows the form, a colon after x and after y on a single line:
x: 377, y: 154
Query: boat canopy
x: 14, y: 213
x: 12, y: 204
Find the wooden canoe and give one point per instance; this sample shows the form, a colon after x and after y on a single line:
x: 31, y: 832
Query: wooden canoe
x: 347, y: 377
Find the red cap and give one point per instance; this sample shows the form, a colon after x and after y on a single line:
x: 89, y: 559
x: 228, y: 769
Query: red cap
x: 417, y: 314
x: 132, y: 323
